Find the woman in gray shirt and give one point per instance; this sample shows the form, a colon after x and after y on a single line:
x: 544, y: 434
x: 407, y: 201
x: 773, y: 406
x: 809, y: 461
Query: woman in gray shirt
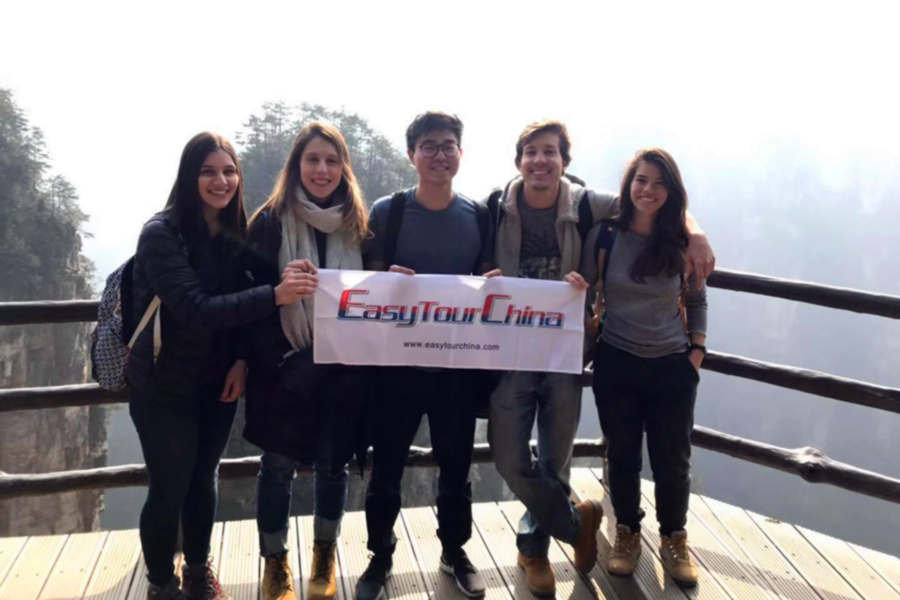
x: 647, y: 358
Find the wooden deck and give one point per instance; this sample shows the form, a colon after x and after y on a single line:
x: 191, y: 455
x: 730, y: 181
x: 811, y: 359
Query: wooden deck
x: 741, y: 555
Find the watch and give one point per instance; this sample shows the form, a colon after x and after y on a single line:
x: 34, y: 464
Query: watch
x: 699, y: 347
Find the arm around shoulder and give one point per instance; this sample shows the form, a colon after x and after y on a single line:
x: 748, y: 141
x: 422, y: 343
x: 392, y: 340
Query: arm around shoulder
x: 604, y: 205
x: 699, y: 255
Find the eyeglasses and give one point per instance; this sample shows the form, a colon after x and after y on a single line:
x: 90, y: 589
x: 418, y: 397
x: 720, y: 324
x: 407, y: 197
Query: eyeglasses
x: 429, y: 150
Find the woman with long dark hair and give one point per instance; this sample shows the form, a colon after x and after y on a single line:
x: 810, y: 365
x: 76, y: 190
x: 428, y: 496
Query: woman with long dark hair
x: 298, y: 411
x: 183, y: 398
x: 647, y: 359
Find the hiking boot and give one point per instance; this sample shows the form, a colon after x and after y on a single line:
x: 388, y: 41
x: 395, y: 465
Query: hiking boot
x: 371, y: 583
x: 585, y: 546
x: 538, y: 575
x: 321, y: 580
x: 468, y: 580
x: 278, y: 581
x: 198, y: 582
x: 170, y: 591
x: 625, y: 552
x: 673, y: 550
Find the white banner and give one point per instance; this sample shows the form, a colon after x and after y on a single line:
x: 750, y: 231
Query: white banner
x: 457, y: 321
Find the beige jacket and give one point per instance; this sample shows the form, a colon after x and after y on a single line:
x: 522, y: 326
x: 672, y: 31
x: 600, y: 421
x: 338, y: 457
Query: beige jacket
x: 509, y: 235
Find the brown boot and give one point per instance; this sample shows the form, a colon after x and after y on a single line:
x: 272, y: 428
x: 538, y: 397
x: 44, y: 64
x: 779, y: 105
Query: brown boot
x: 321, y: 580
x: 591, y: 512
x: 676, y: 558
x: 278, y: 581
x: 625, y: 552
x: 538, y: 575
x: 199, y: 582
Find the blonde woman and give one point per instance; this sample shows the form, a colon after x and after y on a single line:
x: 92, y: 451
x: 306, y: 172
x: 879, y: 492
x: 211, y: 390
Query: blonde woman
x: 297, y: 411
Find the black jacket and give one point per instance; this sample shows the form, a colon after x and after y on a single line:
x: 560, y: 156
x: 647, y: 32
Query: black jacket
x: 285, y: 397
x: 201, y: 284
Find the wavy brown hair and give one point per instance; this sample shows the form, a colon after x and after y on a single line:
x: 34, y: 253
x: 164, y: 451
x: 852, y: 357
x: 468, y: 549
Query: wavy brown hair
x: 664, y: 251
x: 348, y: 190
x: 184, y: 204
x: 533, y: 130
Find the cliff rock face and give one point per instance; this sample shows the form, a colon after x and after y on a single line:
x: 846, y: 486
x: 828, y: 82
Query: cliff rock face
x: 37, y: 441
x: 41, y: 231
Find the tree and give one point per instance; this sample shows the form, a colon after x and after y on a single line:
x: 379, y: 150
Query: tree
x: 266, y: 140
x: 40, y: 221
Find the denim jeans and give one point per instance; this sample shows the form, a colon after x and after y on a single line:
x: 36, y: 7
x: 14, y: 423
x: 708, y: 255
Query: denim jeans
x: 635, y: 394
x: 182, y: 440
x: 273, y: 493
x: 406, y: 395
x: 334, y: 449
x: 554, y: 401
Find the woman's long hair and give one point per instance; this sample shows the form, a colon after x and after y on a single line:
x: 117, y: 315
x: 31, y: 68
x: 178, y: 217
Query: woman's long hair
x: 347, y: 192
x: 663, y: 253
x: 185, y: 205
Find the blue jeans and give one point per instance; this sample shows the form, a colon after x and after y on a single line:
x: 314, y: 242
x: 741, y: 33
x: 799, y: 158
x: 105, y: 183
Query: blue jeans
x: 334, y: 449
x: 554, y: 400
x: 273, y: 504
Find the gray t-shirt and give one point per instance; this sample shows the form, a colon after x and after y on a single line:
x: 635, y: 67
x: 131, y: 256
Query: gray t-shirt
x: 446, y: 242
x: 539, y: 257
x: 644, y: 318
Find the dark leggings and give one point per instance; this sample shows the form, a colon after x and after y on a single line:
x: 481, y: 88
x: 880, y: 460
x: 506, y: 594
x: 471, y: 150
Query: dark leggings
x: 635, y: 394
x: 182, y: 440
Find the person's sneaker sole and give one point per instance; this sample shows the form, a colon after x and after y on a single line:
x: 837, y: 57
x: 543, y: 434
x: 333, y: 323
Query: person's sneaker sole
x: 448, y: 569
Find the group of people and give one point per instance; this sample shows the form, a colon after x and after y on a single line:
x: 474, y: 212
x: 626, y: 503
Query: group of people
x: 237, y: 318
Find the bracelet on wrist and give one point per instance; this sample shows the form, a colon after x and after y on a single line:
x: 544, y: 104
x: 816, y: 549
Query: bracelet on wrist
x: 699, y: 347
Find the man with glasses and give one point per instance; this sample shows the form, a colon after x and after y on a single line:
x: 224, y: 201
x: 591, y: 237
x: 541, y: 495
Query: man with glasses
x: 427, y: 229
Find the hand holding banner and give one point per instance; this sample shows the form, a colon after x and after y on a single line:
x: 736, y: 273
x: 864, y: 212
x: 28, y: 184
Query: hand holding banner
x: 453, y: 321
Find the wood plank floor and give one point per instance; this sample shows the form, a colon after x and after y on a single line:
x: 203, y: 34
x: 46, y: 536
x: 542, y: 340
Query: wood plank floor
x: 741, y: 555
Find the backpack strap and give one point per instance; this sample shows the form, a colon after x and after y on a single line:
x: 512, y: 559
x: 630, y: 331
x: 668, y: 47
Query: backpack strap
x: 483, y: 215
x: 585, y: 216
x: 484, y: 222
x: 394, y: 221
x: 606, y: 237
x: 493, y: 206
x: 152, y: 311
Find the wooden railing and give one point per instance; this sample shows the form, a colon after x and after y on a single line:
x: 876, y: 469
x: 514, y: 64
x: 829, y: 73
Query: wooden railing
x: 809, y: 463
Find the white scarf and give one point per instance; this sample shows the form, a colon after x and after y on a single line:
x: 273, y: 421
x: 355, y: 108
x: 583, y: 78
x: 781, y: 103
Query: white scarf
x: 298, y: 241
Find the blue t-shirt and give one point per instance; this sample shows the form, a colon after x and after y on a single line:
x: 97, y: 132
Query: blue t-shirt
x: 446, y: 242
